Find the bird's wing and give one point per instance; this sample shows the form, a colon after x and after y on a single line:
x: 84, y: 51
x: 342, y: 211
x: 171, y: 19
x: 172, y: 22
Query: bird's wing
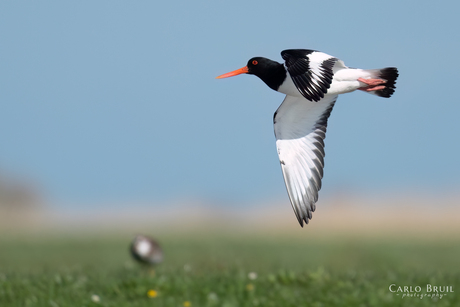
x: 310, y: 70
x: 300, y: 129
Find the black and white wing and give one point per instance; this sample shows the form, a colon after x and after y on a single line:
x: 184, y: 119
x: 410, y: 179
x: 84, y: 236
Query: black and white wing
x: 310, y: 70
x: 300, y: 129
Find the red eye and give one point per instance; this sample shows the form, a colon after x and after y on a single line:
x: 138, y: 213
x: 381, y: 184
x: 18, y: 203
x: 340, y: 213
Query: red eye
x: 255, y: 62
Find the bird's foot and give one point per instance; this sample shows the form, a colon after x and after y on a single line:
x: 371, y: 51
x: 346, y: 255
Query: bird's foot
x: 372, y: 84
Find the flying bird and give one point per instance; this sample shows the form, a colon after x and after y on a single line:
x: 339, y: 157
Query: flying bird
x: 146, y: 250
x: 312, y: 81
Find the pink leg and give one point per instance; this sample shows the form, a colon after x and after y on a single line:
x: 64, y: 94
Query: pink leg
x: 372, y: 84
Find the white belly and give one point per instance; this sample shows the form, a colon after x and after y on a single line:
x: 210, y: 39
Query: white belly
x: 345, y: 80
x: 342, y: 87
x: 288, y: 87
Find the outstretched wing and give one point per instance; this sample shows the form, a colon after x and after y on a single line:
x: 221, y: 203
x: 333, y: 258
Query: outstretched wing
x: 310, y: 70
x: 300, y: 129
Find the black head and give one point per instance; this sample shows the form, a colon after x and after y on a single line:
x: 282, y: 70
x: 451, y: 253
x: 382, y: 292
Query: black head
x: 259, y: 66
x: 271, y: 72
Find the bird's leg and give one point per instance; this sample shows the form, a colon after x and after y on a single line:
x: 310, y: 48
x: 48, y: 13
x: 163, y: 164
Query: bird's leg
x: 372, y: 84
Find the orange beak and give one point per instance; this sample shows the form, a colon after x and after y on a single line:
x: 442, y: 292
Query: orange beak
x: 243, y: 70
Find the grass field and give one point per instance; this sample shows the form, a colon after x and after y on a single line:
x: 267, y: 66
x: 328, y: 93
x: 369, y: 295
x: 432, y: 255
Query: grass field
x: 229, y: 269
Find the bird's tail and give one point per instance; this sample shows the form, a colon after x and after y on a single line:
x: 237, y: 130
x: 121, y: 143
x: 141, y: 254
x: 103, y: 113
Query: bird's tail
x: 389, y: 74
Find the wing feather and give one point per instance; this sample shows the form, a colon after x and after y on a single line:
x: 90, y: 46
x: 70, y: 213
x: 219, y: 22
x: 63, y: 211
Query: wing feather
x: 310, y: 70
x: 300, y: 129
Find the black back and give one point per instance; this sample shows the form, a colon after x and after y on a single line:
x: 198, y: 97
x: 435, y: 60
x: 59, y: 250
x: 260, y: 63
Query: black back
x: 299, y: 66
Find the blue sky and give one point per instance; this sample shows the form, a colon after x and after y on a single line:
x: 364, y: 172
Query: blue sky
x: 117, y: 100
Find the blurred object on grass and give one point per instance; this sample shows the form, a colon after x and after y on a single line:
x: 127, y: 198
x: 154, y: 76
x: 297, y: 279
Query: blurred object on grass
x: 146, y: 250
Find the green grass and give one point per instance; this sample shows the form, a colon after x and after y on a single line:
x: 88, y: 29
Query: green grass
x: 213, y: 271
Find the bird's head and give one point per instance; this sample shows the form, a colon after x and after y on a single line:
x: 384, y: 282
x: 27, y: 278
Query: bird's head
x: 271, y: 72
x: 256, y: 66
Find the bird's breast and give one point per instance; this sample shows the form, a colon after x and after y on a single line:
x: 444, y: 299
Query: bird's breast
x: 288, y: 87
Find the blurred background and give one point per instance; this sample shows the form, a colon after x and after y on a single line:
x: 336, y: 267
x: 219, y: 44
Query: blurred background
x: 112, y: 124
x: 111, y: 115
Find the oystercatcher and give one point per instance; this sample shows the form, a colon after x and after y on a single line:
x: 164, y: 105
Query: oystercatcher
x: 312, y: 81
x: 146, y: 250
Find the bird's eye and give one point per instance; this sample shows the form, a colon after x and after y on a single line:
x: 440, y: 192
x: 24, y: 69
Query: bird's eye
x: 255, y: 62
